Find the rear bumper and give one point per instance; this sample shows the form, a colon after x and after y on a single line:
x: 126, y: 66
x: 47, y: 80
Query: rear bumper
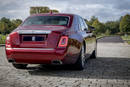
x: 36, y: 55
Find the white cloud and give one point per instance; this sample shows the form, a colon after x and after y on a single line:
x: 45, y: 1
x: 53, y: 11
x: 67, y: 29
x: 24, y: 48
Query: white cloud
x: 104, y: 10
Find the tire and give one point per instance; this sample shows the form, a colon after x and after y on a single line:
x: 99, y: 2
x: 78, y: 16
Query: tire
x: 80, y: 64
x: 93, y: 56
x: 20, y: 66
x: 94, y: 53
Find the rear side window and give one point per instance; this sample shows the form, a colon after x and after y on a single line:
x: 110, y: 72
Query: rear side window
x: 47, y: 20
x: 83, y: 25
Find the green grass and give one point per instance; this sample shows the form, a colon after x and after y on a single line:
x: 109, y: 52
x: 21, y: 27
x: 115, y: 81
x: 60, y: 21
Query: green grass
x: 103, y: 35
x: 128, y: 42
x: 126, y: 38
x: 2, y: 39
x: 100, y: 36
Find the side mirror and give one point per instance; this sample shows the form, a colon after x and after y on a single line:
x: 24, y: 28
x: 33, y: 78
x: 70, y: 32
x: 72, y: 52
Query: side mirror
x: 88, y: 31
x: 85, y: 29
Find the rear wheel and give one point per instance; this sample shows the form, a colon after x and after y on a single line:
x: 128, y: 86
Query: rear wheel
x: 94, y: 54
x: 80, y: 64
x: 20, y: 66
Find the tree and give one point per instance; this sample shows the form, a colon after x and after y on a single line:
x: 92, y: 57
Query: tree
x: 112, y: 26
x: 125, y: 24
x: 6, y: 25
x: 93, y: 18
x: 55, y: 11
x: 44, y: 10
x: 108, y: 32
x: 120, y: 18
x: 17, y: 22
x: 36, y: 10
x: 3, y: 27
x: 100, y: 28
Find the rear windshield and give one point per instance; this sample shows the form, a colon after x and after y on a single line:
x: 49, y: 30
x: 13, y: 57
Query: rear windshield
x: 47, y: 20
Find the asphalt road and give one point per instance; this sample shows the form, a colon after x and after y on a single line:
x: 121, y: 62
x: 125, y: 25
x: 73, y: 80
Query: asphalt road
x: 111, y: 39
x: 110, y: 69
x: 113, y: 46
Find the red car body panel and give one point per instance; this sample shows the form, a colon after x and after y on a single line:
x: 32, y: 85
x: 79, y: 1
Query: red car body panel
x: 44, y: 52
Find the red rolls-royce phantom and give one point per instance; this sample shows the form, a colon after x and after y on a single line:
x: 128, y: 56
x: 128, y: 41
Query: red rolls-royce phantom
x: 52, y: 38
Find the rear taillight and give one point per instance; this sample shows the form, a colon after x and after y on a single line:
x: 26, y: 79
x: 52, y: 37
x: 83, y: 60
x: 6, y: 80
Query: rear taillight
x: 63, y: 41
x: 12, y: 40
x: 8, y: 45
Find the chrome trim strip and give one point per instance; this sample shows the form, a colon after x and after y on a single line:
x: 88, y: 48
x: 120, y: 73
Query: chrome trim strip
x: 8, y: 48
x: 30, y: 48
x: 34, y: 31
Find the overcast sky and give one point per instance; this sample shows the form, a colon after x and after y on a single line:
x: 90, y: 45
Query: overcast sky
x: 105, y: 10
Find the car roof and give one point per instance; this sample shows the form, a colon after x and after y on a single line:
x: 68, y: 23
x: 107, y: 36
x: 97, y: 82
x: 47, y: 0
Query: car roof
x: 52, y: 14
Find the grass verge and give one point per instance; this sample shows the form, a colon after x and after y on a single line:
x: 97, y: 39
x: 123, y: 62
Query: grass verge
x: 2, y: 39
x: 126, y: 38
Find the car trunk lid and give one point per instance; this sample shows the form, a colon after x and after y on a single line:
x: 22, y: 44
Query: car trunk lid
x: 41, y: 37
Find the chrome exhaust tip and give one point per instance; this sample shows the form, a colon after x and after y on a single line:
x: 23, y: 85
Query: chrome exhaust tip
x: 57, y: 62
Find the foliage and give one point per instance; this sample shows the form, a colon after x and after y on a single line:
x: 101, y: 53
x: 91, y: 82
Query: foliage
x: 17, y: 22
x: 100, y: 28
x: 93, y: 18
x: 100, y: 36
x: 7, y: 25
x: 126, y: 37
x: 112, y: 26
x: 2, y: 39
x: 36, y: 10
x: 55, y: 11
x: 108, y: 32
x: 128, y: 42
x: 125, y: 24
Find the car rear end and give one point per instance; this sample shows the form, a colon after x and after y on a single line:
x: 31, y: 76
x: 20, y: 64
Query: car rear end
x: 40, y: 43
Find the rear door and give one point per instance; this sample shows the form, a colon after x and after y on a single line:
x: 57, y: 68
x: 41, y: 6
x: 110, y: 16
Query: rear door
x: 88, y: 37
